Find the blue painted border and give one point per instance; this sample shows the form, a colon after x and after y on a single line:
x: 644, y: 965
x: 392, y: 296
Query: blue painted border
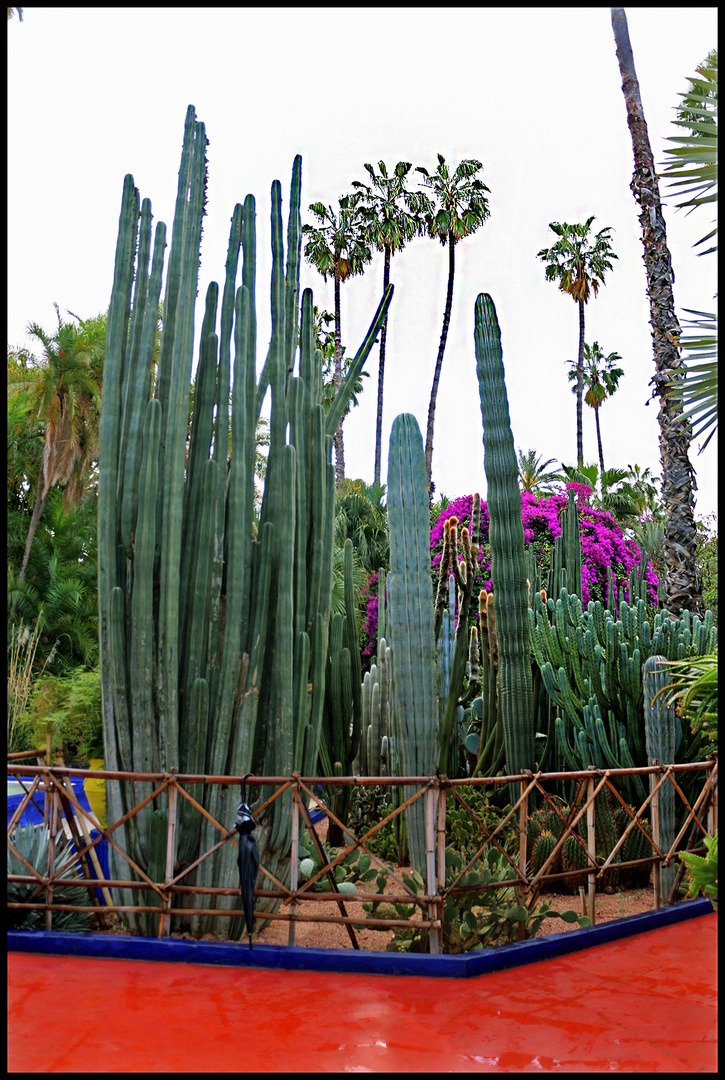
x: 296, y: 958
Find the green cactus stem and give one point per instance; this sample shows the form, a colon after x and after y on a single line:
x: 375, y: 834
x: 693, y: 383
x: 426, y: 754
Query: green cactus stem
x: 410, y: 616
x: 506, y: 534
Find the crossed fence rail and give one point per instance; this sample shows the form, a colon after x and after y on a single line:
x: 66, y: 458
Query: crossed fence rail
x: 59, y: 801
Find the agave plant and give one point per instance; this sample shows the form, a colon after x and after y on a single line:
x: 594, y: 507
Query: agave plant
x: 31, y: 841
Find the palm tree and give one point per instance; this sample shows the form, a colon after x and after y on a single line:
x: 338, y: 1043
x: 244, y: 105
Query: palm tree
x: 360, y: 515
x: 610, y: 489
x: 601, y: 379
x: 338, y: 246
x: 535, y: 475
x: 579, y: 264
x: 460, y: 208
x: 65, y: 392
x: 692, y: 170
x: 681, y: 588
x: 393, y: 216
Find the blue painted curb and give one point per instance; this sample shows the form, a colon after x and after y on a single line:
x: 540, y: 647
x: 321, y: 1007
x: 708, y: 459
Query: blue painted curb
x: 296, y: 958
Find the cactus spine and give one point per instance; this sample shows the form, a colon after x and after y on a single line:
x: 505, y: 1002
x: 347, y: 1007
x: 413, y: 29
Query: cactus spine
x: 210, y: 635
x: 506, y: 534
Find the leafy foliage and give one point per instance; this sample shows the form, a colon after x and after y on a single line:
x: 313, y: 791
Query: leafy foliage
x: 706, y: 559
x: 694, y: 688
x: 702, y: 872
x: 60, y: 590
x: 360, y: 515
x: 70, y: 707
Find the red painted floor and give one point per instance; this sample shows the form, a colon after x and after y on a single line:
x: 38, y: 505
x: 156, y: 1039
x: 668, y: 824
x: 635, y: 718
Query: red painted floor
x: 643, y: 1004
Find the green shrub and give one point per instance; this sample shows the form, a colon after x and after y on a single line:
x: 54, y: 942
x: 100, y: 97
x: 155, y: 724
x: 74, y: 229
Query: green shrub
x: 70, y: 707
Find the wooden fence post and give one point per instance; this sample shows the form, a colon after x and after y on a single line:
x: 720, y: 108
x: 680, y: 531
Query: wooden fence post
x: 655, y: 804
x: 523, y: 854
x: 294, y: 861
x: 431, y: 815
x: 441, y: 854
x: 712, y: 809
x: 165, y: 921
x: 50, y: 804
x: 592, y: 849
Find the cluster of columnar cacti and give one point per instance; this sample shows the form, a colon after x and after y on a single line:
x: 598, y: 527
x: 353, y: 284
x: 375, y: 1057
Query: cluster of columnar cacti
x: 592, y: 667
x: 375, y: 745
x: 490, y: 749
x: 342, y: 719
x: 457, y: 647
x: 506, y: 535
x: 214, y: 634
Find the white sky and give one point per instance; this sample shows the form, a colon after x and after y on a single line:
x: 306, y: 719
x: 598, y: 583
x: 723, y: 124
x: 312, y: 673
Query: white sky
x: 533, y: 93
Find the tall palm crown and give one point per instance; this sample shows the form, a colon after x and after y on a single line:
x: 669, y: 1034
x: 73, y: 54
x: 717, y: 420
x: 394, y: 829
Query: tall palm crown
x: 460, y: 207
x: 64, y: 391
x: 601, y: 380
x: 338, y: 247
x: 393, y: 215
x: 579, y: 263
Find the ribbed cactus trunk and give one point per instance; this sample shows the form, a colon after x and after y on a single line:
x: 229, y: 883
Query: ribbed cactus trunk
x: 410, y: 618
x: 663, y: 734
x: 506, y: 535
x: 213, y: 639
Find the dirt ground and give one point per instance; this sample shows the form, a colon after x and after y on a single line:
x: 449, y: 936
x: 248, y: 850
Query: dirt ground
x: 327, y: 935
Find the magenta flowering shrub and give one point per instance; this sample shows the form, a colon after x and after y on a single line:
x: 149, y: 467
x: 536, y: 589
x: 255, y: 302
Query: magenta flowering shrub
x: 603, y: 545
x: 369, y: 637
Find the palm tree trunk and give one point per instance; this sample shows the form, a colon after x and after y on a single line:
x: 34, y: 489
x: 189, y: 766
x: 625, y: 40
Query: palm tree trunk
x: 439, y: 363
x: 580, y: 391
x: 682, y: 588
x: 38, y: 508
x: 599, y: 447
x: 381, y: 373
x: 336, y: 381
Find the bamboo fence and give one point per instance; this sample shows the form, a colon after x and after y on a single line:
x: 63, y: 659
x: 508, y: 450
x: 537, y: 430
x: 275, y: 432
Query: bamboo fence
x: 59, y: 800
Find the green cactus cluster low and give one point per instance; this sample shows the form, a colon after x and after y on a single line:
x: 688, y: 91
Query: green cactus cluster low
x: 592, y: 663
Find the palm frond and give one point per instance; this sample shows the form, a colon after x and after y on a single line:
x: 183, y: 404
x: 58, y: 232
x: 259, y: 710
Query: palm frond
x: 697, y: 393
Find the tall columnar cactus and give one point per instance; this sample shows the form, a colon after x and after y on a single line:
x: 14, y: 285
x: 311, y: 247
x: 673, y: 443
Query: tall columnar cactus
x: 214, y: 636
x: 506, y: 535
x: 410, y: 616
x: 566, y: 558
x: 663, y: 734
